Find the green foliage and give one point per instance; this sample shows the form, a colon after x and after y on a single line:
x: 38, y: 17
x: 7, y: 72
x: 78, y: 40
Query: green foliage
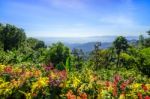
x: 11, y: 37
x: 147, y: 42
x: 68, y: 64
x: 35, y: 44
x: 120, y: 45
x: 77, y: 58
x: 104, y: 58
x: 144, y: 61
x: 141, y: 41
x: 127, y: 60
x: 57, y: 53
x: 24, y: 76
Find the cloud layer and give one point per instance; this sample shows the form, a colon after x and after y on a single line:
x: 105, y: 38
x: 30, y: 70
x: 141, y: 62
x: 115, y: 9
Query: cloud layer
x: 77, y: 17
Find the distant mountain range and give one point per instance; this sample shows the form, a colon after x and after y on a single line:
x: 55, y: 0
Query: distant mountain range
x: 88, y: 46
x: 85, y: 43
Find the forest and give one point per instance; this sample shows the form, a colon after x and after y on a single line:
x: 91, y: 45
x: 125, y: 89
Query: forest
x: 29, y: 69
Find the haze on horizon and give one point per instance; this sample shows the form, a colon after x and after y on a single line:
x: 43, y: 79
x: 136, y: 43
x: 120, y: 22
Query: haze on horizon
x: 77, y: 18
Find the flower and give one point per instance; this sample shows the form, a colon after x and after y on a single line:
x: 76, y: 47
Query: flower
x: 136, y: 85
x: 144, y: 87
x: 83, y: 96
x: 122, y: 96
x: 76, y: 82
x: 117, y: 78
x: 123, y: 86
x: 70, y: 95
x: 8, y: 69
x: 107, y: 83
x: 140, y: 96
x: 115, y: 92
x: 42, y: 82
x: 147, y: 97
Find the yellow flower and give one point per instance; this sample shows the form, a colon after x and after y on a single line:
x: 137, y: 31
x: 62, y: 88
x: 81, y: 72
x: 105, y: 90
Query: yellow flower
x: 42, y: 82
x: 122, y: 96
x: 110, y: 88
x: 2, y: 67
x: 136, y: 85
x: 76, y: 82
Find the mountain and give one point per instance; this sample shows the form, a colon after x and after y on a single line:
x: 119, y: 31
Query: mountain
x: 85, y: 43
x: 88, y: 46
x: 81, y: 40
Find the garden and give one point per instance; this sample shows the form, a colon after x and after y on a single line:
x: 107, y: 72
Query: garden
x: 31, y: 70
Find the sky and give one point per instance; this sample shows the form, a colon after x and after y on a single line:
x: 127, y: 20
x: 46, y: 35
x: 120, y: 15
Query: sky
x: 77, y: 18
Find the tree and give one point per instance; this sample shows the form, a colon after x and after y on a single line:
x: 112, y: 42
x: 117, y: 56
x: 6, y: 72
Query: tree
x: 147, y: 40
x: 78, y: 57
x: 11, y: 37
x: 1, y: 43
x: 148, y: 32
x: 144, y: 61
x: 57, y: 54
x: 141, y: 41
x: 127, y: 60
x: 120, y: 45
x: 96, y: 54
x: 35, y: 44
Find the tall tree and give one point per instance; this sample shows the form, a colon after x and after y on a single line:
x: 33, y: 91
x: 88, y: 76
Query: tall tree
x: 120, y: 45
x: 147, y: 40
x: 96, y: 54
x: 1, y: 37
x: 57, y: 53
x: 141, y: 41
x: 11, y: 37
x: 148, y: 32
x: 78, y: 57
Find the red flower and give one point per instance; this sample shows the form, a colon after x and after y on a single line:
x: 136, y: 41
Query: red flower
x: 140, y: 96
x: 8, y: 69
x: 123, y: 86
x: 147, y: 97
x: 115, y: 91
x: 107, y: 83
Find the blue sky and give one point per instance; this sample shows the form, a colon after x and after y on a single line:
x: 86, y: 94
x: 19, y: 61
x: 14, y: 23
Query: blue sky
x: 77, y: 18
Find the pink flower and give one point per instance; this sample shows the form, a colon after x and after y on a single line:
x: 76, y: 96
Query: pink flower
x: 117, y: 78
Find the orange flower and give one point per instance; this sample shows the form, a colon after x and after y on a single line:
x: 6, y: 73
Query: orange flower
x: 34, y: 94
x: 144, y: 87
x: 83, y: 96
x: 70, y: 95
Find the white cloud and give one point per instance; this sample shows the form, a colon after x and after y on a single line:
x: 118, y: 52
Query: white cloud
x: 71, y: 4
x: 117, y: 20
